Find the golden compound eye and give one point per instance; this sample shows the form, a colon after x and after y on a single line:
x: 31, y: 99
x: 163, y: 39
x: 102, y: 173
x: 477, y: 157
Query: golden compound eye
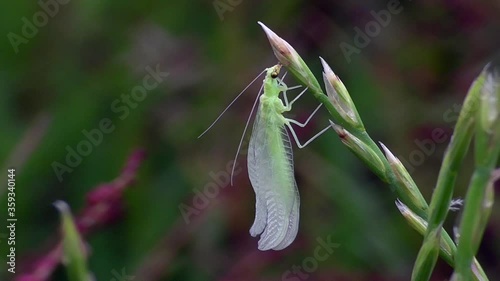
x: 276, y: 71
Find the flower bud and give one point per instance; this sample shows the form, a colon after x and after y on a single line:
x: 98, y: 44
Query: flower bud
x: 288, y: 57
x: 405, y: 181
x: 73, y: 249
x: 490, y: 99
x: 420, y: 225
x: 362, y: 150
x: 339, y: 96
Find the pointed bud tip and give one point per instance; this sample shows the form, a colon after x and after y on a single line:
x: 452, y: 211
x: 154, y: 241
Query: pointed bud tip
x: 263, y: 26
x: 490, y: 97
x: 402, y: 207
x: 326, y: 68
x: 340, y: 131
x: 61, y: 206
x: 404, y: 210
x: 408, y: 213
x: 273, y: 37
x: 283, y: 51
x: 493, y: 67
x: 388, y: 154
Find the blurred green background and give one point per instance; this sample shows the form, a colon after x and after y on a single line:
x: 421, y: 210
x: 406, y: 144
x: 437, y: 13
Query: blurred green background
x: 70, y: 70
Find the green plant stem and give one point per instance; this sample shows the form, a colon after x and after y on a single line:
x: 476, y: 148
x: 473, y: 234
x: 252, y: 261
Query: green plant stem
x: 478, y: 200
x: 76, y: 264
x: 443, y: 192
x: 353, y: 135
x: 388, y: 177
x: 470, y: 222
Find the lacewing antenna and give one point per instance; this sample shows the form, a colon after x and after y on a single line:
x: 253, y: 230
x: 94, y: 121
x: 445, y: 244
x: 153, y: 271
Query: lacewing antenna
x: 224, y: 111
x: 244, y: 131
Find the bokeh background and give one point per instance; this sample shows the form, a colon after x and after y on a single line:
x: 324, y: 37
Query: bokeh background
x: 67, y: 77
